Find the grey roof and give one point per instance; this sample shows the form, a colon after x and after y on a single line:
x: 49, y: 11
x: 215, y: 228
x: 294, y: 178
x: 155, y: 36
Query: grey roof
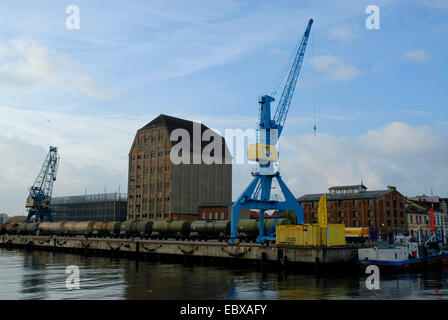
x: 352, y: 196
x: 348, y: 187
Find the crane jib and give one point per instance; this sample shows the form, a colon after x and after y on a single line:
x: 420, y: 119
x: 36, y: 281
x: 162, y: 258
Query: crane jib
x: 288, y: 91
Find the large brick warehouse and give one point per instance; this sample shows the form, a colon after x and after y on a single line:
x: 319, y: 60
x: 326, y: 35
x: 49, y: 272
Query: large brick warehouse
x: 161, y: 190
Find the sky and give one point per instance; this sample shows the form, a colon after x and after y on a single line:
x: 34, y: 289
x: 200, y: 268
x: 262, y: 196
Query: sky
x: 378, y: 97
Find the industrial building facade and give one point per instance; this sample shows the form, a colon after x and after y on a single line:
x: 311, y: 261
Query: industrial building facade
x: 161, y: 190
x: 104, y: 207
x: 354, y: 206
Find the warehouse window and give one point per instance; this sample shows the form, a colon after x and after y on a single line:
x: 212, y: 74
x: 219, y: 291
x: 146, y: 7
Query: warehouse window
x: 314, y: 204
x: 370, y: 213
x: 370, y: 202
x: 341, y: 214
x: 341, y: 221
x: 216, y: 215
x: 203, y: 215
x: 370, y: 223
x: 355, y: 214
x: 356, y: 223
x: 314, y: 215
x: 210, y: 215
x: 341, y: 203
x: 355, y: 202
x: 222, y: 215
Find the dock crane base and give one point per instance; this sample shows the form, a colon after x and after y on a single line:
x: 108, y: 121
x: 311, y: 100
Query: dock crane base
x: 248, y: 200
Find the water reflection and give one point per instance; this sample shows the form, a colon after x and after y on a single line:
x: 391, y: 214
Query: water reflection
x: 41, y: 275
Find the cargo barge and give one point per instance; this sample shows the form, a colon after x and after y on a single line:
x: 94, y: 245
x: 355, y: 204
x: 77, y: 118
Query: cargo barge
x: 336, y: 258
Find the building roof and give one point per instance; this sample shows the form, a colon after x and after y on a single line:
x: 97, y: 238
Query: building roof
x: 415, y: 207
x: 173, y: 123
x: 349, y: 187
x: 352, y: 196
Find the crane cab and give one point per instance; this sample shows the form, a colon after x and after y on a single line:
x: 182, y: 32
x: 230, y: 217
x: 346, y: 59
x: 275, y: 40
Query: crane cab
x: 263, y: 152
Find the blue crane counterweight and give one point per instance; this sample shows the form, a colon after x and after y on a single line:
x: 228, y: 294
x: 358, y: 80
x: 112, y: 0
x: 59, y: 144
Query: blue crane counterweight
x: 258, y: 194
x: 39, y: 198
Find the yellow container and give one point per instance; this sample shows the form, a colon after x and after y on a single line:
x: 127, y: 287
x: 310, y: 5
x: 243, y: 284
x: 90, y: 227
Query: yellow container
x: 337, y: 235
x: 310, y: 235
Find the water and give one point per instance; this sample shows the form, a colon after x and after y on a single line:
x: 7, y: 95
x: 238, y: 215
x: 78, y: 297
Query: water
x: 41, y: 275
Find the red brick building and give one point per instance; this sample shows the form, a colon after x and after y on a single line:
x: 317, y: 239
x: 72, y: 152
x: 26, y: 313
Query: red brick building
x: 214, y: 211
x: 354, y: 206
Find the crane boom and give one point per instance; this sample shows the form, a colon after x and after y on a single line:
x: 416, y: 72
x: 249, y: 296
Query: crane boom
x: 288, y: 91
x: 258, y: 194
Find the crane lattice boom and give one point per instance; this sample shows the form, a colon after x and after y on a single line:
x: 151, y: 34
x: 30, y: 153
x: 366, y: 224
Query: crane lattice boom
x: 38, y: 201
x: 288, y: 91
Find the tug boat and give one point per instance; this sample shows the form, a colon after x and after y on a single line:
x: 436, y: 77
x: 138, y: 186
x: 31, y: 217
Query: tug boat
x: 402, y: 255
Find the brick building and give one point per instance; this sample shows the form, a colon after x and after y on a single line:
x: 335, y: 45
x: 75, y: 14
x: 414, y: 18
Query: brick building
x: 439, y: 206
x: 161, y: 190
x: 418, y: 219
x: 354, y: 206
x: 215, y: 211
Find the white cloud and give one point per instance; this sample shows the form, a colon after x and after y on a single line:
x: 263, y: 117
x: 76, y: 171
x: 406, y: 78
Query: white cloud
x: 435, y: 4
x: 342, y: 33
x: 334, y: 67
x: 419, y: 55
x: 94, y: 153
x: 409, y: 157
x: 23, y: 62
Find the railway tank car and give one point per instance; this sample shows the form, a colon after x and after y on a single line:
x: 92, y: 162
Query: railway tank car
x: 106, y: 229
x: 248, y: 229
x: 202, y: 230
x: 180, y: 230
x: 210, y: 229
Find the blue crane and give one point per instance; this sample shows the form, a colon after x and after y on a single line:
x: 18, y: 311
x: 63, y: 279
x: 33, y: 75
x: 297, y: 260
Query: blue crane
x: 258, y: 194
x: 38, y: 201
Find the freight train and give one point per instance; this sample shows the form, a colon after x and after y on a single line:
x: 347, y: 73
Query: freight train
x: 247, y: 229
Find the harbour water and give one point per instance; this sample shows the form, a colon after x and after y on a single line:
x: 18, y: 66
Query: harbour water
x: 42, y: 275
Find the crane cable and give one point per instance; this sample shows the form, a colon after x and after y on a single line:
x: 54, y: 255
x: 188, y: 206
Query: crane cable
x: 281, y: 77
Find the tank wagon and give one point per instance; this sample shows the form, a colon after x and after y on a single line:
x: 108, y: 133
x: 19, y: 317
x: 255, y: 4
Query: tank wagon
x: 210, y: 229
x: 248, y: 229
x: 106, y: 229
x: 180, y: 230
x: 203, y: 230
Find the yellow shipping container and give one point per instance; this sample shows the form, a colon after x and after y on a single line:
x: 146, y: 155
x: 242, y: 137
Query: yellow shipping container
x: 310, y: 235
x: 337, y: 235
